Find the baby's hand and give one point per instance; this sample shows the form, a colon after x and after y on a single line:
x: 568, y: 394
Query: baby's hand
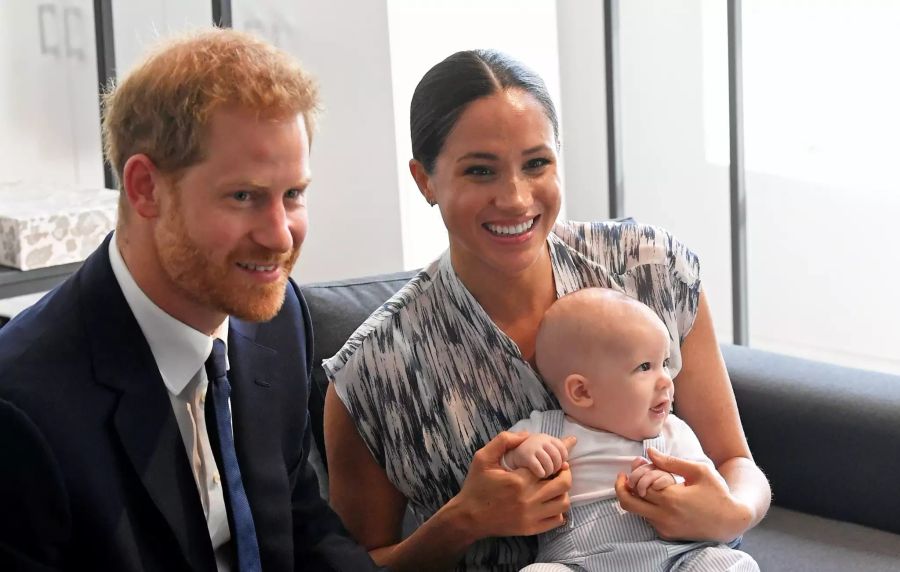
x: 540, y: 453
x: 645, y: 476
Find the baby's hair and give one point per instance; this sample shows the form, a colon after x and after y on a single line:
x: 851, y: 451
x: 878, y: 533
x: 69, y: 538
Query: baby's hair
x: 568, y: 333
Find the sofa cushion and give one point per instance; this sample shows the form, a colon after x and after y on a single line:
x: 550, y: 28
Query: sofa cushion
x: 798, y: 542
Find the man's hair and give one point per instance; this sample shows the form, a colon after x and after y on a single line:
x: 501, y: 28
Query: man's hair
x: 162, y: 108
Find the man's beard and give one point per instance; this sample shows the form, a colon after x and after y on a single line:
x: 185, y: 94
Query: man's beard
x: 212, y: 283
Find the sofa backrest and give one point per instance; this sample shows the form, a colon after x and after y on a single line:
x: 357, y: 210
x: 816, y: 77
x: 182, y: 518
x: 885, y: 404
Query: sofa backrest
x: 337, y: 309
x: 828, y: 437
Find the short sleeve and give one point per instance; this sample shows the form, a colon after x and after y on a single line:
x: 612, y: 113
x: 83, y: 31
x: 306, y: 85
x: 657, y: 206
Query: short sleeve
x: 643, y: 261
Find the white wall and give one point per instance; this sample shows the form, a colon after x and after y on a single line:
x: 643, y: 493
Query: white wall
x: 583, y: 96
x: 354, y: 212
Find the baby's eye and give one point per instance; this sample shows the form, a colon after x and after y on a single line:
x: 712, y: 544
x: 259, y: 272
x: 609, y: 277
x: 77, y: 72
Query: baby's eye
x: 666, y: 362
x: 645, y: 366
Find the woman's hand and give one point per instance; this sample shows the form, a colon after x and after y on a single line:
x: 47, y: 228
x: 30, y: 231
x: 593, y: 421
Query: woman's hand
x: 498, y: 502
x: 701, y: 509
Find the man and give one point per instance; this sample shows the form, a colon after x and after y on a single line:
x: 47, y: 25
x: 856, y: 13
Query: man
x: 128, y: 441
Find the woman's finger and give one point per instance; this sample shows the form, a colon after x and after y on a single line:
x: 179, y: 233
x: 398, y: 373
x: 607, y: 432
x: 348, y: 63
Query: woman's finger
x: 692, y: 471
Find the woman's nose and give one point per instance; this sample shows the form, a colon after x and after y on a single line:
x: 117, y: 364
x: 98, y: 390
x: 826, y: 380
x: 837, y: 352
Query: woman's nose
x: 516, y: 195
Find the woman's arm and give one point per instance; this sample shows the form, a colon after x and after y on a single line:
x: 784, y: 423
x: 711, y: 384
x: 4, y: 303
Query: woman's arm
x: 704, y: 509
x: 492, y: 502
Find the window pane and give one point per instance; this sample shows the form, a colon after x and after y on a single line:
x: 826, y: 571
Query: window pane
x: 674, y: 97
x: 48, y: 95
x: 821, y: 121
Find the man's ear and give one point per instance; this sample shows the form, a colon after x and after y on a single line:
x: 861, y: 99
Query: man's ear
x: 422, y: 178
x: 142, y: 183
x: 577, y: 390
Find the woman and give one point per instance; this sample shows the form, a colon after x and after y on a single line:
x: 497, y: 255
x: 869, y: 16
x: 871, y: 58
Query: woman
x: 422, y: 388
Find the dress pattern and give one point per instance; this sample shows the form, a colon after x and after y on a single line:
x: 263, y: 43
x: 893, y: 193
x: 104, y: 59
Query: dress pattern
x: 429, y: 379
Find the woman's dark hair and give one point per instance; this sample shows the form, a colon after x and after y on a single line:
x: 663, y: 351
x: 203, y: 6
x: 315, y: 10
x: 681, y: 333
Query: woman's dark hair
x: 450, y: 86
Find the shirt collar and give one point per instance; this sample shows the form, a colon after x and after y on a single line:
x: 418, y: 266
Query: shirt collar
x: 180, y: 351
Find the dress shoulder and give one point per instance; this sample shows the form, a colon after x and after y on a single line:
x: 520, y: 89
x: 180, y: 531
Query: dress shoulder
x: 623, y: 245
x: 378, y: 325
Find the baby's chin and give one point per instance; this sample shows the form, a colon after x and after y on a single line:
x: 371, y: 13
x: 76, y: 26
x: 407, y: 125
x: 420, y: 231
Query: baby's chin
x: 640, y: 431
x: 635, y: 432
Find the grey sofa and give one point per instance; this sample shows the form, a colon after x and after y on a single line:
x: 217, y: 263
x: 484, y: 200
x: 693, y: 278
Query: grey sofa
x: 828, y: 438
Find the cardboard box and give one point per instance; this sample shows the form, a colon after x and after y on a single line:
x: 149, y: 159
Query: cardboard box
x: 44, y: 226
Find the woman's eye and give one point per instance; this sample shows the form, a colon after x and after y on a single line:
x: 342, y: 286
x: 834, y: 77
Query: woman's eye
x: 537, y: 163
x: 645, y: 366
x: 479, y: 171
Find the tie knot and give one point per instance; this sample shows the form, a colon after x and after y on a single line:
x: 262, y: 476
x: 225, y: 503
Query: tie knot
x: 215, y: 363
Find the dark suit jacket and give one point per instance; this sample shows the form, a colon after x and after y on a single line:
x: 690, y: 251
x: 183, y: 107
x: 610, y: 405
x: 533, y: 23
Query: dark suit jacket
x: 93, y: 473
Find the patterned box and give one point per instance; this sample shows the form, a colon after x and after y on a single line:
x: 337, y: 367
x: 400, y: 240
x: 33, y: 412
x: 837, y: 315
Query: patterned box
x: 44, y: 226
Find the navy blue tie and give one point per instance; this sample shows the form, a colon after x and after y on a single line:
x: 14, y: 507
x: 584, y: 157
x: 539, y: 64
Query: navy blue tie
x: 243, y: 531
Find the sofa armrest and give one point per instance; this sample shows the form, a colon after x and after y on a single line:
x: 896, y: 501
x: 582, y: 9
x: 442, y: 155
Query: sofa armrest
x: 828, y: 437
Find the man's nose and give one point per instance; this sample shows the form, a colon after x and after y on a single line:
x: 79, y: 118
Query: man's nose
x: 273, y: 229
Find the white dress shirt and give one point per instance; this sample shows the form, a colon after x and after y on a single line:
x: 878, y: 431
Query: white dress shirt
x: 180, y: 352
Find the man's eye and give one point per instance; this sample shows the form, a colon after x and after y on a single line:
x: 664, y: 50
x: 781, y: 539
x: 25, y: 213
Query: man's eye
x: 241, y: 196
x: 645, y: 366
x: 293, y: 193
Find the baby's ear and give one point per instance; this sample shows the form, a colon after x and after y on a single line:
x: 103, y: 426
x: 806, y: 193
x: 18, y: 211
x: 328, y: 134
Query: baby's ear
x: 577, y: 390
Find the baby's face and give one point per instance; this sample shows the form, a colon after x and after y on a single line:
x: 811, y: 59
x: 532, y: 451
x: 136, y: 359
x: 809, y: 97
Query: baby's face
x: 631, y: 386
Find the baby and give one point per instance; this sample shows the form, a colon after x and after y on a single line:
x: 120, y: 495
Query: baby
x: 606, y: 358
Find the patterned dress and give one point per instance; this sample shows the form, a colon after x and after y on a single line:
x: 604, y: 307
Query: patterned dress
x: 429, y: 379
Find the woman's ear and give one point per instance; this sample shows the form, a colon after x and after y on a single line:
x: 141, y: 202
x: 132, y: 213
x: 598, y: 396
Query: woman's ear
x: 577, y: 390
x: 422, y: 178
x: 141, y: 182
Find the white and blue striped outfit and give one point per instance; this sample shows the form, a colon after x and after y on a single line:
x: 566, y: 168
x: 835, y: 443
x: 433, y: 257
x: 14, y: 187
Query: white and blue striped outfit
x: 598, y: 536
x: 429, y: 379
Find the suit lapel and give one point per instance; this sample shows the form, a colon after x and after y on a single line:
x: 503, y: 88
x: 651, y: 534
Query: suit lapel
x: 143, y: 418
x: 254, y: 378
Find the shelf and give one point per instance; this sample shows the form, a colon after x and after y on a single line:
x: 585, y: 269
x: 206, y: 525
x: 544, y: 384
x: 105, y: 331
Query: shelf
x: 15, y: 282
